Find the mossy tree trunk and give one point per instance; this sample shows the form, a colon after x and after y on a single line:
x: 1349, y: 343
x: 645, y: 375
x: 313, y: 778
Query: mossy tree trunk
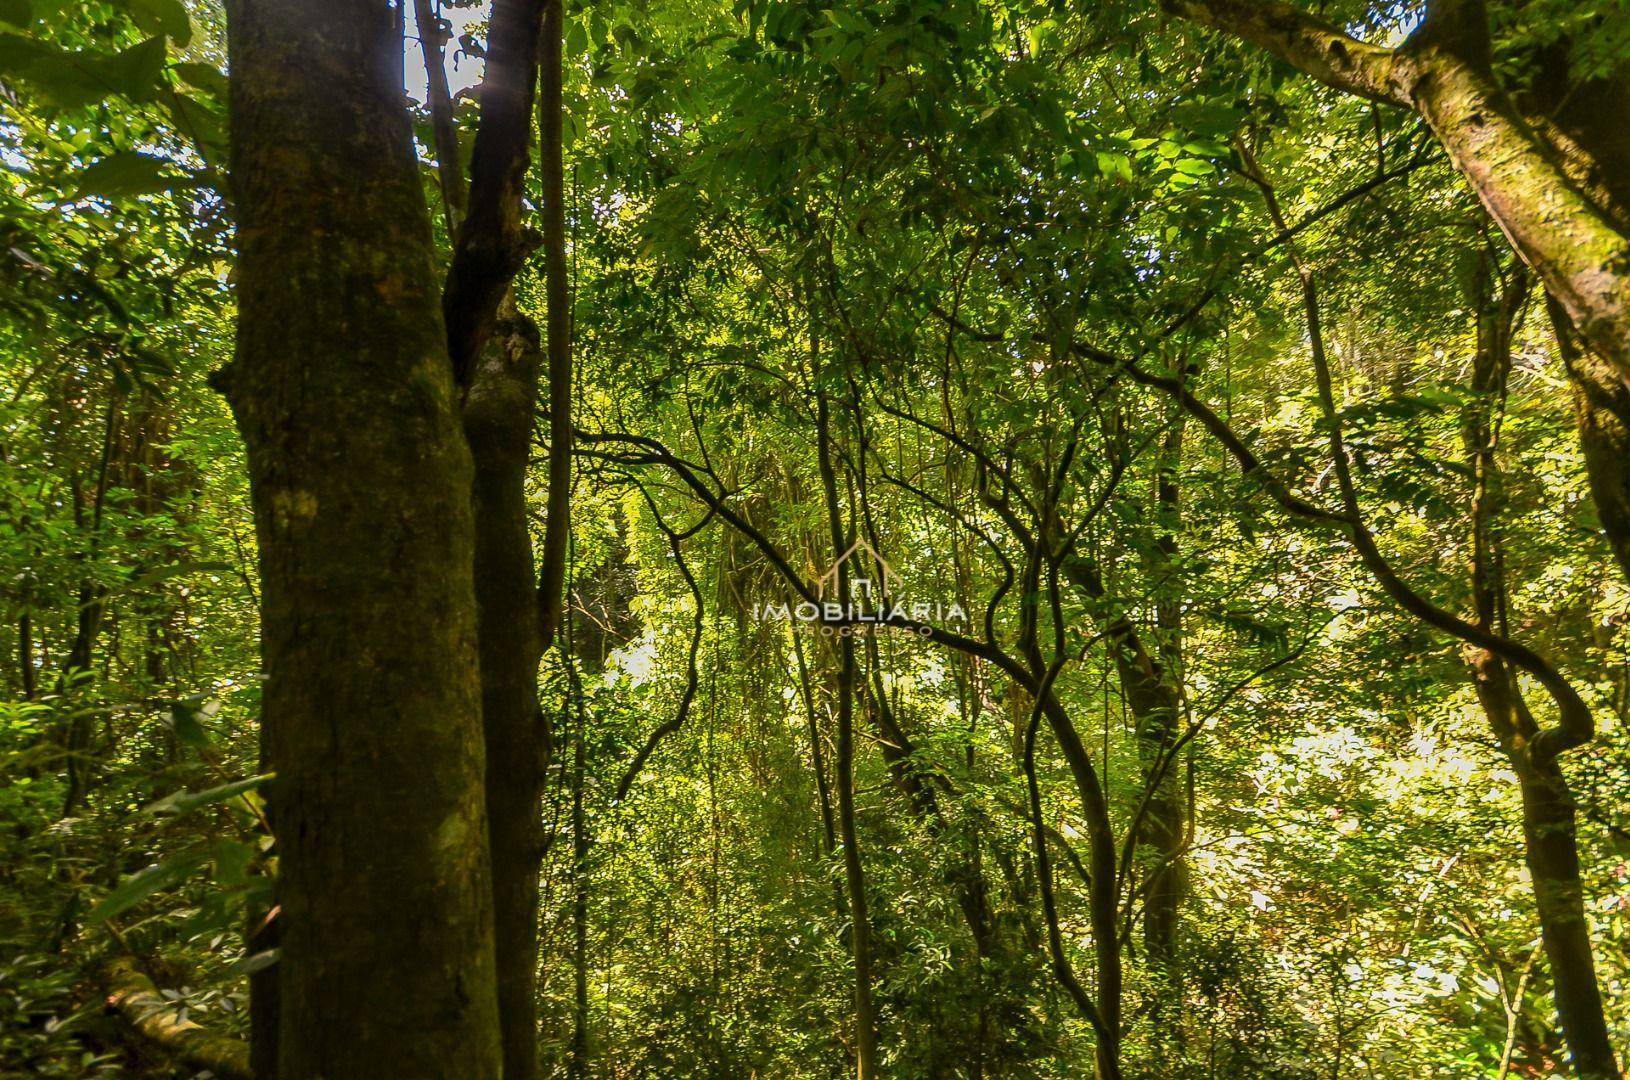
x: 498, y: 409
x: 360, y: 475
x: 496, y: 359
x: 1550, y: 838
x: 1602, y: 413
x: 1537, y: 192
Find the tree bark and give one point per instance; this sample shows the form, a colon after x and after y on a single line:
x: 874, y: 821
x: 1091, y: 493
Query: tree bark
x: 88, y: 618
x: 498, y: 410
x: 1584, y: 123
x: 1602, y: 414
x: 860, y: 936
x: 500, y: 384
x: 134, y: 997
x: 1550, y: 841
x: 558, y: 327
x: 1103, y: 894
x: 963, y: 877
x: 25, y: 654
x: 360, y: 478
x: 1159, y: 711
x: 823, y: 795
x: 1040, y: 582
x: 579, y: 1065
x: 492, y: 243
x: 1551, y: 852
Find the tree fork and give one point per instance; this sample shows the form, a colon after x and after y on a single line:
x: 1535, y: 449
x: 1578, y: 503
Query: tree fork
x: 360, y: 479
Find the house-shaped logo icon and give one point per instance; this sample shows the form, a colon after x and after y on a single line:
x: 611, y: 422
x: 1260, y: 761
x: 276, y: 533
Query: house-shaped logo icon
x: 829, y: 580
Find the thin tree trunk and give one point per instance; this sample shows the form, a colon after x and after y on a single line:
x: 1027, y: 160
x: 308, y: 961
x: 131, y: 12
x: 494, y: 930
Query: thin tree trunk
x: 816, y: 755
x: 1513, y: 1020
x: 88, y: 618
x: 1551, y: 850
x: 25, y: 654
x: 498, y: 409
x: 558, y: 327
x: 1104, y: 887
x: 964, y: 878
x: 1550, y: 842
x: 443, y: 128
x: 860, y: 937
x: 515, y: 615
x: 1167, y: 814
x: 823, y: 786
x: 343, y: 391
x: 580, y: 899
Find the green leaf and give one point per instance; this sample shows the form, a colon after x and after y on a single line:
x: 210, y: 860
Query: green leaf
x: 142, y: 884
x: 186, y: 723
x: 258, y: 962
x: 137, y: 72
x: 61, y: 78
x: 125, y: 174
x: 205, y: 77
x: 183, y: 801
x: 174, y: 570
x: 204, y: 125
x: 232, y: 858
x: 18, y: 13
x: 72, y: 80
x: 577, y: 39
x: 166, y: 17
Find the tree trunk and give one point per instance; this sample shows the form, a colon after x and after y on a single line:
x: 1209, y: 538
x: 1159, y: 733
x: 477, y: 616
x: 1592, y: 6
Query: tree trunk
x: 443, y: 126
x: 1444, y: 74
x: 1104, y: 891
x: 1571, y: 245
x: 1550, y: 842
x: 1551, y: 852
x: 498, y: 409
x: 500, y: 398
x: 1152, y: 698
x: 860, y: 936
x: 963, y: 877
x: 343, y: 391
x: 580, y: 895
x: 88, y: 618
x: 1158, y: 707
x: 163, y: 1023
x: 25, y: 654
x: 1602, y: 413
x: 823, y: 795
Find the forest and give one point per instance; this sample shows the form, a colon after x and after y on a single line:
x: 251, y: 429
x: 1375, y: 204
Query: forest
x: 813, y: 538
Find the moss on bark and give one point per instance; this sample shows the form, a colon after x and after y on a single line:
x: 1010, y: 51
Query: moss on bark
x: 344, y: 395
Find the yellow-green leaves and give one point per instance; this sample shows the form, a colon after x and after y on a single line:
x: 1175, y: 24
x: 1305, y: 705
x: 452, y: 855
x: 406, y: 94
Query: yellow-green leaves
x: 161, y: 17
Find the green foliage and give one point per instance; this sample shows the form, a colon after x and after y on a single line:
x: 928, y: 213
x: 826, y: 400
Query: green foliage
x: 925, y: 213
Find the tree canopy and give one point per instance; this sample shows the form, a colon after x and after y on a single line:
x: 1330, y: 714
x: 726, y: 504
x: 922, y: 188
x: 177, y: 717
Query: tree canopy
x: 986, y: 538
